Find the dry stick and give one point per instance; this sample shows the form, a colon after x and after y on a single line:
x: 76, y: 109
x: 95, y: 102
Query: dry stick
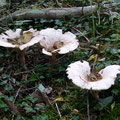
x: 102, y: 34
x: 46, y: 99
x: 81, y: 34
x: 23, y: 72
x: 3, y: 28
x: 27, y: 89
x: 57, y: 2
x: 58, y: 110
x: 17, y: 94
x: 60, y: 58
x: 44, y: 96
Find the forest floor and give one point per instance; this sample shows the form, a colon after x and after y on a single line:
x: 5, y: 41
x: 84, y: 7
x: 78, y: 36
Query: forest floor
x: 22, y: 86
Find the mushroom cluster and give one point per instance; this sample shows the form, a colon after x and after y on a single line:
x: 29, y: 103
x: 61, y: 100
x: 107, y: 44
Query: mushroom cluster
x: 55, y: 42
x: 52, y: 41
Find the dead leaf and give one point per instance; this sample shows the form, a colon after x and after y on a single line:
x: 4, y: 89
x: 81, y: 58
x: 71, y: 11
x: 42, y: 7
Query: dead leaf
x: 41, y: 87
x: 42, y: 106
x: 63, y: 118
x: 75, y: 112
x: 48, y: 90
x: 92, y: 57
x: 60, y: 99
x: 27, y: 37
x: 37, y: 95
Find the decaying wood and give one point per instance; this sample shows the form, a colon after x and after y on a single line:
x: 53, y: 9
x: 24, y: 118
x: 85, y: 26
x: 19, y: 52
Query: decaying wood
x: 54, y: 13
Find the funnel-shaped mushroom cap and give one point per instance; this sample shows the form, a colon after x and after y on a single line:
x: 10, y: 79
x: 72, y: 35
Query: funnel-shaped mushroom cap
x: 81, y: 76
x: 18, y: 39
x: 54, y: 41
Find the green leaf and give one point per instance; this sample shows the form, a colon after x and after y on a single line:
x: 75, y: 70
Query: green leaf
x: 116, y: 1
x: 18, y: 118
x: 21, y: 22
x: 115, y: 91
x: 5, y: 76
x: 24, y: 104
x: 3, y: 106
x: 3, y: 82
x: 58, y: 22
x: 105, y: 101
x: 1, y: 54
x: 30, y: 110
x: 8, y: 88
x: 75, y: 118
x: 40, y: 117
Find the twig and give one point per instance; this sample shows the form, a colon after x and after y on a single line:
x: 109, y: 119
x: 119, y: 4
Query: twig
x: 60, y: 58
x: 81, y: 34
x: 37, y: 77
x: 17, y: 94
x: 102, y: 34
x: 45, y: 98
x: 3, y: 28
x: 57, y: 2
x: 58, y: 110
x: 28, y: 89
x: 23, y: 72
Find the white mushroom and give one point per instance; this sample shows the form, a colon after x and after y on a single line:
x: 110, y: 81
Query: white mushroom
x: 54, y: 41
x: 81, y: 76
x: 18, y: 40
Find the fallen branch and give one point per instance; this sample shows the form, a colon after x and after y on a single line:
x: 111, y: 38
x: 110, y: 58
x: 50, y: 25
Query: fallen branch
x: 53, y: 13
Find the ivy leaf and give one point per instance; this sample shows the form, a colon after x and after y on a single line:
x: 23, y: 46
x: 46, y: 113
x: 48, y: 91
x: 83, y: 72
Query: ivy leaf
x: 105, y: 101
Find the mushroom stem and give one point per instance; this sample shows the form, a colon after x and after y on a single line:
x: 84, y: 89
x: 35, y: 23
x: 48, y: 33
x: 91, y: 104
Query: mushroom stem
x: 22, y: 58
x: 52, y: 59
x: 95, y: 94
